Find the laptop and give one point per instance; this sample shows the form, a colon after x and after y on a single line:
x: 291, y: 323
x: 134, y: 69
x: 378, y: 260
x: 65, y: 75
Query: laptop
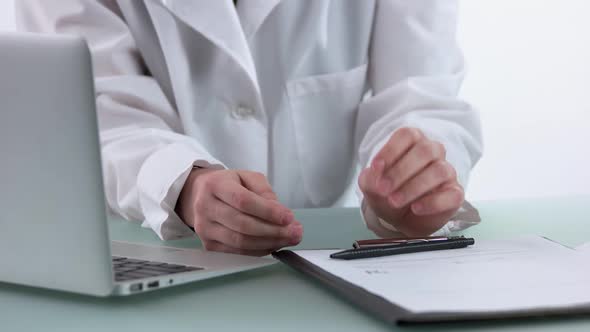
x: 53, y: 217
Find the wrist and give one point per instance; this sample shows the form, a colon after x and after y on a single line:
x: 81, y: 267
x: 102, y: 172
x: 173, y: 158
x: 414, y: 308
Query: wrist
x: 187, y: 194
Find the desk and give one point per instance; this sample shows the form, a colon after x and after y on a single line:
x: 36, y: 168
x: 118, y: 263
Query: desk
x: 277, y: 298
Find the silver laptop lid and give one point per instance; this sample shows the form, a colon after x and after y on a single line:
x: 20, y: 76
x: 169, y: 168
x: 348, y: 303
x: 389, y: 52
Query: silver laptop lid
x: 52, y: 209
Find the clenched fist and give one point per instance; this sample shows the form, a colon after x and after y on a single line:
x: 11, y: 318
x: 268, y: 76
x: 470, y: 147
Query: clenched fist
x: 410, y: 185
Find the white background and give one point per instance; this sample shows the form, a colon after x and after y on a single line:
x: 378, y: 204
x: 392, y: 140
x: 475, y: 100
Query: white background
x: 529, y: 75
x: 6, y: 15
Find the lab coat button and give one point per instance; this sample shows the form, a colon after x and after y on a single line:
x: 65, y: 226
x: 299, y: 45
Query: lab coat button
x: 242, y: 112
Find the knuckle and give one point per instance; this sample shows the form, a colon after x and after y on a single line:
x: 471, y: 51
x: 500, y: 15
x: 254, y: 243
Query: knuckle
x: 457, y: 197
x: 207, y: 182
x: 413, y: 134
x: 417, y: 134
x: 452, y: 200
x: 216, y: 212
x: 269, y: 194
x: 435, y: 148
x: 255, y: 176
x: 443, y: 170
x: 367, y: 183
x: 362, y: 180
x: 452, y: 172
x: 259, y: 176
x: 425, y: 150
x: 200, y: 204
x: 238, y: 199
x: 276, y: 212
x: 361, y: 185
x: 370, y: 189
x: 237, y: 239
x: 442, y: 150
x: 280, y: 232
x: 243, y: 224
x: 200, y: 228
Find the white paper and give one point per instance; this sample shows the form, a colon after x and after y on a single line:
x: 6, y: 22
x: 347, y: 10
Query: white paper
x: 584, y: 248
x: 523, y: 273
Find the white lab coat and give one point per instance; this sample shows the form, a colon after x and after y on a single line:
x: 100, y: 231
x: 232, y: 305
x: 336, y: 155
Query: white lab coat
x: 300, y: 90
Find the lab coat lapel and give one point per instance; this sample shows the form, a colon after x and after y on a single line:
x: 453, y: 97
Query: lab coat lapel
x: 217, y: 20
x: 254, y: 13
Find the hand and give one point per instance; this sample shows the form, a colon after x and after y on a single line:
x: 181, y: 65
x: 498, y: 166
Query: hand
x: 236, y: 212
x: 410, y: 185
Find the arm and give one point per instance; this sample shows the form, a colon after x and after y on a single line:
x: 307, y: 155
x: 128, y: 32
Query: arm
x: 146, y: 157
x: 147, y: 160
x: 416, y: 70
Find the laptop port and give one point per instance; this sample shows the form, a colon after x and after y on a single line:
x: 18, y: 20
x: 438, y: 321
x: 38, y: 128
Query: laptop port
x: 136, y: 287
x: 153, y: 284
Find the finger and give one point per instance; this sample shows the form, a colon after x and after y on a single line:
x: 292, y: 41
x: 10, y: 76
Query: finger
x: 270, y: 195
x: 398, y: 145
x: 432, y: 177
x: 257, y: 183
x: 448, y: 198
x: 228, y: 237
x: 368, y: 180
x: 249, y: 225
x: 220, y: 247
x: 248, y: 202
x: 413, y: 162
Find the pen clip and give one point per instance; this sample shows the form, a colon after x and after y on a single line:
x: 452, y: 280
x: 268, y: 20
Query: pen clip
x: 399, y: 241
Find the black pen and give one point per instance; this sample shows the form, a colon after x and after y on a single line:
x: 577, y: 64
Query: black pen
x: 404, y: 248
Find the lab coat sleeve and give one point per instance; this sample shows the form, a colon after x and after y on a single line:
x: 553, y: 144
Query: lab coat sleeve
x: 146, y: 158
x: 415, y: 72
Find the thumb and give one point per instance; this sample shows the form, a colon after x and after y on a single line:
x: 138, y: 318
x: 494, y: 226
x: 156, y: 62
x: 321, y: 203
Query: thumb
x: 257, y: 183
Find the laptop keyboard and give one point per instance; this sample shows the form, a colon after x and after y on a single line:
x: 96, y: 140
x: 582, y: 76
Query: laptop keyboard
x: 129, y: 269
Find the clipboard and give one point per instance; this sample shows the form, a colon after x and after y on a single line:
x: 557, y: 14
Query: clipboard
x: 396, y: 314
